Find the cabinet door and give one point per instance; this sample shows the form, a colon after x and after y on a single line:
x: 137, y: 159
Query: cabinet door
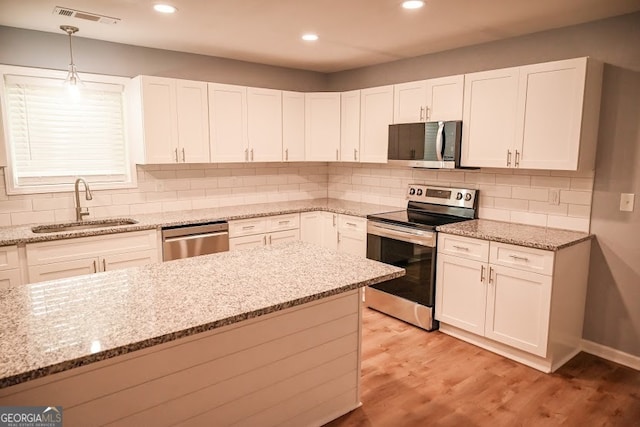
x: 247, y: 242
x: 489, y: 117
x: 159, y: 114
x: 126, y: 260
x: 10, y: 278
x: 60, y: 270
x: 409, y: 101
x: 352, y: 235
x: 286, y: 236
x: 193, y: 121
x: 461, y: 293
x: 330, y: 230
x: 550, y: 114
x: 376, y: 114
x: 322, y: 126
x: 293, y: 126
x: 518, y: 307
x: 320, y: 228
x: 350, y: 126
x: 264, y: 125
x: 444, y: 98
x: 228, y: 121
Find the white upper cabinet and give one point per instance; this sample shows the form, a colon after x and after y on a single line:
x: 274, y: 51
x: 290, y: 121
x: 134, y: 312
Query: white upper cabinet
x: 170, y: 119
x: 489, y: 118
x: 542, y: 116
x: 228, y: 123
x: 293, y: 126
x: 264, y: 125
x: 322, y: 126
x: 350, y: 126
x: 376, y: 114
x: 428, y: 100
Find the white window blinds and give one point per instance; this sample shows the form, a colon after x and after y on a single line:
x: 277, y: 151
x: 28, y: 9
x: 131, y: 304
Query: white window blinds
x: 56, y: 135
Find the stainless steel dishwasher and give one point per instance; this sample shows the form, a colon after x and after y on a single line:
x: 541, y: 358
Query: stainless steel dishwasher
x: 186, y: 241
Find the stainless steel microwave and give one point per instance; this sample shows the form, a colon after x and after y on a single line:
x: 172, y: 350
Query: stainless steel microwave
x: 426, y: 145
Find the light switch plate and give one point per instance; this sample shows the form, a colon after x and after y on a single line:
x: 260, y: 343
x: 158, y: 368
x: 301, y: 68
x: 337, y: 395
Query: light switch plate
x: 626, y: 202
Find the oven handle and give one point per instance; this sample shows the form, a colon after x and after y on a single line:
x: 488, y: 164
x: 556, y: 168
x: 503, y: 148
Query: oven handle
x: 403, y: 234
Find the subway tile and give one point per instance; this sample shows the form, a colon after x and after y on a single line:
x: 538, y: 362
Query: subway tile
x: 568, y: 223
x: 425, y: 174
x: 145, y: 208
x: 162, y: 196
x: 515, y: 180
x: 5, y: 220
x: 276, y: 179
x: 529, y: 193
x: 217, y: 172
x: 529, y: 218
x: 370, y: 181
x: 176, y: 184
x: 495, y: 191
x: 248, y: 189
x: 511, y: 204
x: 21, y: 218
x: 288, y: 188
x: 404, y: 173
x: 181, y: 205
x: 494, y: 214
x: 190, y: 173
x: 109, y: 211
x: 217, y: 192
x: 203, y: 183
x: 574, y: 174
x: 128, y: 198
x: 205, y: 203
x: 53, y: 203
x: 64, y: 215
x: 191, y: 194
x: 547, y: 208
x: 500, y: 171
x: 479, y: 178
x: 585, y: 184
x: 486, y: 201
x: 161, y: 174
x: 370, y: 198
x: 451, y: 176
x: 98, y: 199
x: 229, y: 182
x: 531, y: 172
x: 15, y: 205
x: 256, y: 198
x: 580, y: 211
x: 575, y: 197
x: 551, y: 182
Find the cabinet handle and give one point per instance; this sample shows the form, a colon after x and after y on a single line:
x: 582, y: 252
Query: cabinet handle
x: 334, y: 220
x: 508, y: 157
x: 183, y: 158
x: 283, y: 222
x: 422, y: 114
x: 95, y: 266
x: 176, y: 153
x: 286, y: 154
x: 264, y: 240
x: 337, y: 153
x: 248, y: 227
x: 517, y: 162
x: 355, y: 154
x: 482, y: 273
x: 490, y: 274
x: 351, y: 224
x: 246, y: 155
x: 104, y: 264
x: 269, y: 238
x: 523, y: 258
x: 252, y: 154
x: 338, y: 237
x: 461, y: 248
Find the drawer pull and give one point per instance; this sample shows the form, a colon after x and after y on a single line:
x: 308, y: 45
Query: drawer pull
x: 95, y: 266
x: 490, y: 274
x: 284, y: 222
x: 352, y: 224
x: 269, y: 238
x: 248, y: 227
x: 482, y: 273
x: 523, y: 258
x: 104, y: 264
x: 334, y: 220
x: 461, y: 248
x: 264, y: 240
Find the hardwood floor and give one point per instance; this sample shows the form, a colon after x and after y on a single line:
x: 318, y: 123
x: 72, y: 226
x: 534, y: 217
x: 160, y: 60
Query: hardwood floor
x: 414, y: 378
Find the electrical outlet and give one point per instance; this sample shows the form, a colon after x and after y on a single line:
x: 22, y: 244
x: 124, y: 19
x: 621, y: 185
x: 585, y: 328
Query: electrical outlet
x: 626, y: 202
x: 554, y: 196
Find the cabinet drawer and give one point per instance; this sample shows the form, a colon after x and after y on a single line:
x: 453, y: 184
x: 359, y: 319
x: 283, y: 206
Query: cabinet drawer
x: 284, y: 222
x: 9, y: 278
x: 520, y: 257
x: 9, y: 257
x: 352, y: 224
x: 86, y: 247
x: 248, y: 227
x: 464, y: 247
x: 247, y: 242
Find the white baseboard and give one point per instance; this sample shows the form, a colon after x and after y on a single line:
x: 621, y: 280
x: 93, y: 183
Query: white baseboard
x: 611, y: 354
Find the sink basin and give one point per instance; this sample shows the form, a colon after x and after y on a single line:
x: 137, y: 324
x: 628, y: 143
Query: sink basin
x: 83, y: 225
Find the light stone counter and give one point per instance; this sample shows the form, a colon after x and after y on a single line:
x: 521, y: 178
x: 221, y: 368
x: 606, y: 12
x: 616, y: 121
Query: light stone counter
x: 551, y: 239
x: 23, y: 234
x: 54, y: 326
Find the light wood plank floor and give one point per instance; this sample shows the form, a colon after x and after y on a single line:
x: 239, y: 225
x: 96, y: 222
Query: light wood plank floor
x: 414, y: 378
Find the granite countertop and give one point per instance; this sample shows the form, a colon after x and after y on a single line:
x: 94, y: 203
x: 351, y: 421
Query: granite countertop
x: 551, y: 239
x: 54, y: 326
x: 22, y: 234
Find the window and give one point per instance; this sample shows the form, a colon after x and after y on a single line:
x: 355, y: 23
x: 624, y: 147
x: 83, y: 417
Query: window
x: 54, y: 135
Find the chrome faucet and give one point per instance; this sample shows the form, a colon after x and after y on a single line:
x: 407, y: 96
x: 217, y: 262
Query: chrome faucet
x: 80, y: 211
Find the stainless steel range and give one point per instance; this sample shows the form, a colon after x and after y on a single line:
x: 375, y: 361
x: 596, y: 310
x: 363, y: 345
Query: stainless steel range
x: 407, y: 239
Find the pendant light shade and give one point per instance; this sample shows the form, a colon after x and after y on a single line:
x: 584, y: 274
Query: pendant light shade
x: 73, y: 79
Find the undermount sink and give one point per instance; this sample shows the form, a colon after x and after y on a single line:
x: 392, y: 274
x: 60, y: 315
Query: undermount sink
x: 83, y: 225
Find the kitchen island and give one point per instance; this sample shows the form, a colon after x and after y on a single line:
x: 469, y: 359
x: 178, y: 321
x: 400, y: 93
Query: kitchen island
x: 269, y: 336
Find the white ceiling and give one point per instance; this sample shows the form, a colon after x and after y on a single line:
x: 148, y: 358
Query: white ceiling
x: 353, y: 33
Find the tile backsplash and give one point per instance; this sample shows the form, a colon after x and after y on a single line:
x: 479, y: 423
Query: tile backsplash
x: 521, y: 196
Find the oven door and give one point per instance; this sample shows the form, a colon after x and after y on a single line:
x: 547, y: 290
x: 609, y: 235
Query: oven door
x: 410, y: 297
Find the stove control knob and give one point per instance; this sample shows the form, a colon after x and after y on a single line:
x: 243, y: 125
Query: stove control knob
x: 419, y: 191
x: 459, y: 196
x: 412, y: 191
x: 467, y: 197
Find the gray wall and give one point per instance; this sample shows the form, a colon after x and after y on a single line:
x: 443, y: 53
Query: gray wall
x: 46, y: 50
x: 613, y: 301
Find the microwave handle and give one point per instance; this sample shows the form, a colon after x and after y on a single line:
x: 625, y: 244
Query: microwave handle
x: 439, y: 141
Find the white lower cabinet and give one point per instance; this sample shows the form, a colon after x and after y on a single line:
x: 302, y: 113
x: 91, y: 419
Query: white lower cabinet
x: 502, y: 298
x: 343, y: 233
x: 85, y: 255
x: 265, y: 231
x: 9, y: 267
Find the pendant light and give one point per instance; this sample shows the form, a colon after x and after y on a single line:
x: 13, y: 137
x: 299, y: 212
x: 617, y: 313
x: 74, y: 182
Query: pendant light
x: 73, y: 79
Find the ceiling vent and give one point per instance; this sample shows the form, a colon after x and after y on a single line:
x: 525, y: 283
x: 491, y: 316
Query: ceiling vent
x: 72, y: 13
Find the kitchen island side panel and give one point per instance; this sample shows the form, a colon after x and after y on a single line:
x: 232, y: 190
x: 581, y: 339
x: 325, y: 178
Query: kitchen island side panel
x: 299, y: 364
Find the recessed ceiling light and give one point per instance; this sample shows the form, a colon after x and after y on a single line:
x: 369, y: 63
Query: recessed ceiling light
x: 164, y: 8
x: 413, y: 4
x: 310, y: 37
